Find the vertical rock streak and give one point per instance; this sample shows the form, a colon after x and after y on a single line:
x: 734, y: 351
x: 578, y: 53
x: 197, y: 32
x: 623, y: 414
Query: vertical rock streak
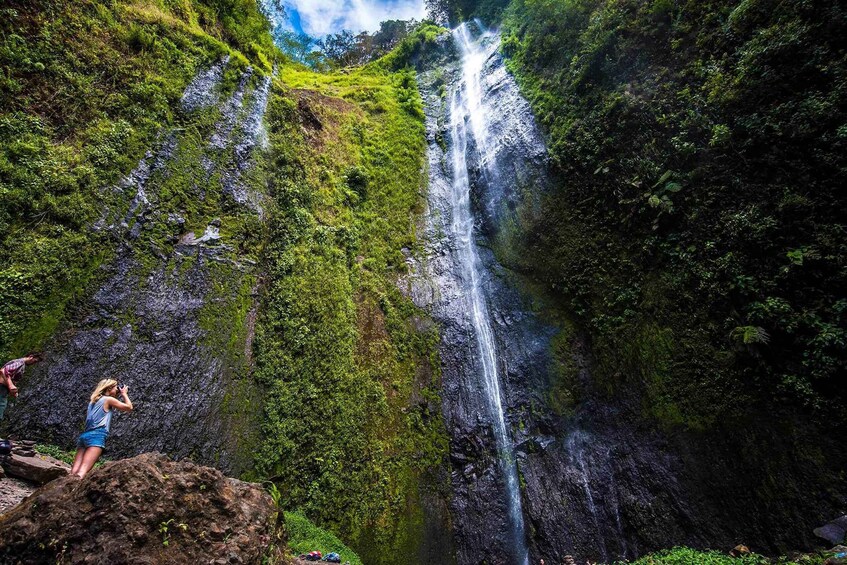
x: 145, y: 321
x: 466, y: 108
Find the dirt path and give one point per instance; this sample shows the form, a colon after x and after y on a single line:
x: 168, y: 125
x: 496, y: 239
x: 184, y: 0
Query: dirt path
x: 12, y: 491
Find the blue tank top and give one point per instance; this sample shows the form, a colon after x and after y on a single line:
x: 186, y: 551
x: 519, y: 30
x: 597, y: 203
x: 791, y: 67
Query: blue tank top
x: 97, y: 417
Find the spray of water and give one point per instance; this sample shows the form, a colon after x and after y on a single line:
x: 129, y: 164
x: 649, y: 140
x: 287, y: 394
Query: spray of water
x: 468, y: 116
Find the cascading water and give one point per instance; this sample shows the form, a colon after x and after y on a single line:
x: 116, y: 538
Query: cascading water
x: 589, y: 480
x: 467, y: 112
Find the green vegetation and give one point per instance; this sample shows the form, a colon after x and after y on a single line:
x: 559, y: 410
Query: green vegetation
x: 352, y: 412
x: 304, y: 536
x: 351, y: 426
x: 80, y: 108
x: 688, y: 556
x: 456, y: 11
x: 696, y: 228
x: 411, y: 47
x: 57, y: 453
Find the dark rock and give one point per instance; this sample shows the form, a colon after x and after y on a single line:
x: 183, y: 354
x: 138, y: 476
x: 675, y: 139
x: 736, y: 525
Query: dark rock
x: 123, y: 511
x: 833, y: 532
x: 176, y: 219
x: 38, y: 469
x: 601, y: 482
x: 202, y: 91
x: 147, y: 317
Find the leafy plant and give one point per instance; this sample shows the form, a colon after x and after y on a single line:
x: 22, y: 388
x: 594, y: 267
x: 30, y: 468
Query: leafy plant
x: 688, y: 556
x: 167, y: 527
x: 750, y: 335
x: 304, y: 536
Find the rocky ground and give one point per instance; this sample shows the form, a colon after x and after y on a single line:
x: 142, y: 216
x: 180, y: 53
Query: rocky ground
x: 150, y: 509
x: 146, y: 509
x: 12, y: 491
x: 22, y: 472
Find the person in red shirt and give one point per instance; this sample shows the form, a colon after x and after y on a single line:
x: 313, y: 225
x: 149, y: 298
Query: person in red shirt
x: 10, y: 374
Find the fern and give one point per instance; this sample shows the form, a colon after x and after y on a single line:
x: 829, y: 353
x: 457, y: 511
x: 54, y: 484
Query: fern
x: 749, y: 335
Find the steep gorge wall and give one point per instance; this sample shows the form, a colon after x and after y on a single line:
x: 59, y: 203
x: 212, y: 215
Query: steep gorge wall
x: 608, y: 470
x: 233, y: 257
x: 163, y: 295
x: 693, y: 389
x: 349, y: 367
x: 171, y: 316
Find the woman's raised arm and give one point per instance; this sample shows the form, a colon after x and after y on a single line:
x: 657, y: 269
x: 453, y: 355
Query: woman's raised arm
x: 126, y: 405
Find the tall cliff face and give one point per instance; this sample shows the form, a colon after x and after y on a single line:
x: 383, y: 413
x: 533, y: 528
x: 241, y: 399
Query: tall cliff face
x: 458, y: 279
x: 173, y: 311
x: 599, y: 478
x: 352, y: 429
x: 134, y: 147
x: 687, y: 141
x: 225, y: 240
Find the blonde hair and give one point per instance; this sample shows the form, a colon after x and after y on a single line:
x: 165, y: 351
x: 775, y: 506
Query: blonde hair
x: 101, y: 389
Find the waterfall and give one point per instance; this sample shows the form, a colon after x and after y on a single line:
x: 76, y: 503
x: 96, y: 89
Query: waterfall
x: 468, y: 116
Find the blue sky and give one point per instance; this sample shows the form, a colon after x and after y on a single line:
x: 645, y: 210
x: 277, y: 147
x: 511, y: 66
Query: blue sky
x: 320, y: 17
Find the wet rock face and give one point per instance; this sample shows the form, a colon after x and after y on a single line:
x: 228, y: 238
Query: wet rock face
x: 511, y: 171
x: 571, y: 492
x: 598, y: 482
x: 479, y: 504
x: 169, y: 318
x: 147, y: 509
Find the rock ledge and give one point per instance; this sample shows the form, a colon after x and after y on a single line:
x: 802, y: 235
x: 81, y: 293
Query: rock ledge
x: 147, y: 509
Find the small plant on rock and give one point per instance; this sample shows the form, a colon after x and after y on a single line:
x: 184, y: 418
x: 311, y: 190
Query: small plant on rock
x: 164, y: 529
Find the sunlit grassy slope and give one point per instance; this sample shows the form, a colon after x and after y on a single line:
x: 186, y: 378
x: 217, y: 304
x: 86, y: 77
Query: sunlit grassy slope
x: 352, y: 432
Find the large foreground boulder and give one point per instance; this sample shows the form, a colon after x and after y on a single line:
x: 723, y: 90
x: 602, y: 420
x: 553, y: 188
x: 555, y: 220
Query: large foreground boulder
x: 147, y: 509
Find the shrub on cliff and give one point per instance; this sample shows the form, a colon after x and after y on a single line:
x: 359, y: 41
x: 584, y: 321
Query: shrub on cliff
x: 699, y: 148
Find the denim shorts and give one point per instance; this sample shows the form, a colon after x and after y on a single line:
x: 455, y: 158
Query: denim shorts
x: 93, y: 438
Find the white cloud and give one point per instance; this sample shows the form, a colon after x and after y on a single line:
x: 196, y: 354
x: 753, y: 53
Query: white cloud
x: 320, y: 17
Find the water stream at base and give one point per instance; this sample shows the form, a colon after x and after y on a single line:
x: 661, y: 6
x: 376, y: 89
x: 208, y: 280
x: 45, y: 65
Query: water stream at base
x: 468, y: 113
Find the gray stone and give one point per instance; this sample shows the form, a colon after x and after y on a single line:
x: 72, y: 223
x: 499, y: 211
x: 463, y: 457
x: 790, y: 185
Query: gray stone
x: 148, y: 321
x: 202, y: 92
x: 599, y: 483
x: 833, y: 532
x: 38, y: 469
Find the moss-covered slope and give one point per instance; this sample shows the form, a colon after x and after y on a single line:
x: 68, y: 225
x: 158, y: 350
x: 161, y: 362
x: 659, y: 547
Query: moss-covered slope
x: 86, y: 87
x: 353, y: 432
x: 696, y: 234
x: 130, y: 130
x: 692, y: 234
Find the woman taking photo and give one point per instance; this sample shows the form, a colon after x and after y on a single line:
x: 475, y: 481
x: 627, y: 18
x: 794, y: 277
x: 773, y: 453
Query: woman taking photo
x: 97, y: 422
